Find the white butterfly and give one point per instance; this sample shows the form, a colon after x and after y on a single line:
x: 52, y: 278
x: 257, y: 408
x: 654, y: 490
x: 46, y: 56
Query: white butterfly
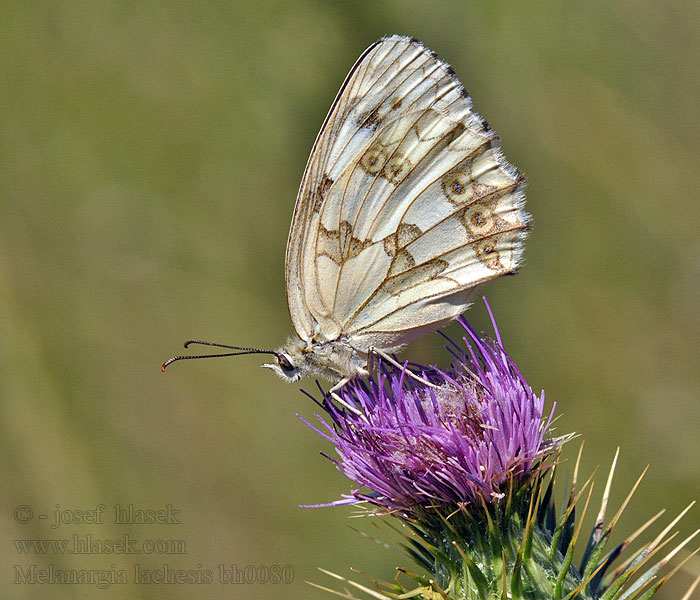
x: 406, y: 205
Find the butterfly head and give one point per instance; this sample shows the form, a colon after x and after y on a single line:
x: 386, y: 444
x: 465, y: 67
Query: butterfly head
x: 285, y: 367
x: 290, y: 362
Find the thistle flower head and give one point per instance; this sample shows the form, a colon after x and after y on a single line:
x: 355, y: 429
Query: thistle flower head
x: 459, y: 456
x: 463, y: 437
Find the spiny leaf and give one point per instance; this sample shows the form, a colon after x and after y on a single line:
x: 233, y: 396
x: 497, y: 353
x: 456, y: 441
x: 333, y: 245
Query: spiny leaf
x: 566, y: 563
x: 599, y: 547
x: 477, y: 576
x: 597, y: 585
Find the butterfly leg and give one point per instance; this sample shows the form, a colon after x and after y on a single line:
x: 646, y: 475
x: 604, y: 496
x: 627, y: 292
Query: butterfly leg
x: 398, y: 365
x: 339, y: 400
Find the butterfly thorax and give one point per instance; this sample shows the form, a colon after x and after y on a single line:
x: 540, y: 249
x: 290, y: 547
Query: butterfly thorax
x: 330, y: 360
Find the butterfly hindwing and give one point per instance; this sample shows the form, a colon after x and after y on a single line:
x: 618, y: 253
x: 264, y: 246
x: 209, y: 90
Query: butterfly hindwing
x: 405, y: 206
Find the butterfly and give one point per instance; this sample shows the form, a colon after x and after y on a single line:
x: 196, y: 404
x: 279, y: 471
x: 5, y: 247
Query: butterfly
x: 405, y: 206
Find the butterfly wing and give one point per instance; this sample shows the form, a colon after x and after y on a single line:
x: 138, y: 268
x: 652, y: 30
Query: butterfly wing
x: 405, y: 206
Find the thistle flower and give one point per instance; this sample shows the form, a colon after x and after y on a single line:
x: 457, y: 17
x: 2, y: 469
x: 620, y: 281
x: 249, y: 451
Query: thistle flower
x: 460, y: 440
x: 465, y: 459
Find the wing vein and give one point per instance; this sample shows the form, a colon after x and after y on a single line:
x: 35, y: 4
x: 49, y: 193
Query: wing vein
x: 376, y: 178
x: 436, y: 257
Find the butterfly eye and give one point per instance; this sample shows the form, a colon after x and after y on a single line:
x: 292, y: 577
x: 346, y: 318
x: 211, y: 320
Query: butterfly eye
x: 284, y: 363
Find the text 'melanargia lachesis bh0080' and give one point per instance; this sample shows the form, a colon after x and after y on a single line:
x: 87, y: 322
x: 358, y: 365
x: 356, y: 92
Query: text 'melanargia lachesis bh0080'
x: 405, y: 206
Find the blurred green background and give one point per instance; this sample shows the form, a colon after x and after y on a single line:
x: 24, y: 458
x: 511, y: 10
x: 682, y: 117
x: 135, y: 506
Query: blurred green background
x: 151, y: 154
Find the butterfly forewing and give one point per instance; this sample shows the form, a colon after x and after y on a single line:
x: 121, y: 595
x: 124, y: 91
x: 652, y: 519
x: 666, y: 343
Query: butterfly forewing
x: 405, y: 206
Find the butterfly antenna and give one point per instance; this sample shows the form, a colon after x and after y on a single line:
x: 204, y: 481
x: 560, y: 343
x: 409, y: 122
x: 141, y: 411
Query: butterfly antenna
x: 240, y: 349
